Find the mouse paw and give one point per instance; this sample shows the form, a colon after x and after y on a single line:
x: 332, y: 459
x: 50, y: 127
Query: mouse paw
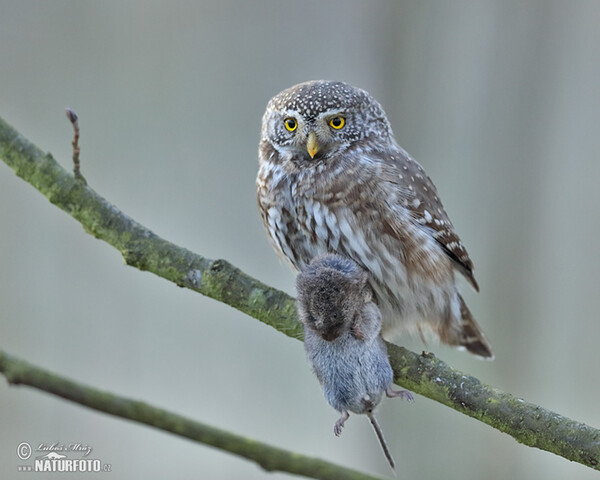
x: 337, y: 428
x: 403, y: 394
x: 357, y: 332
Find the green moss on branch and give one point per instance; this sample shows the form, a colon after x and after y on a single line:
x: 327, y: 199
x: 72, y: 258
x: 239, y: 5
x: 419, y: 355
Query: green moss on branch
x: 424, y: 374
x: 271, y: 458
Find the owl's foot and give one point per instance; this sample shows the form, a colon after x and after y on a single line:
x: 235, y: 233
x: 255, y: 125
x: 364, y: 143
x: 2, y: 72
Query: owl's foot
x: 403, y: 394
x: 337, y: 428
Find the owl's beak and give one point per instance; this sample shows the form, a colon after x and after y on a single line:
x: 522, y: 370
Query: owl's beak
x: 312, y: 144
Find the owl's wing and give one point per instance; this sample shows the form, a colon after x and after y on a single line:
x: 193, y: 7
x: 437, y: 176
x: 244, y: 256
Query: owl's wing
x: 422, y: 200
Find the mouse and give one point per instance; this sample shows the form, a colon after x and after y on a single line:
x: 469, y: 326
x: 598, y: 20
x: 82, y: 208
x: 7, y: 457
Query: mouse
x: 342, y: 339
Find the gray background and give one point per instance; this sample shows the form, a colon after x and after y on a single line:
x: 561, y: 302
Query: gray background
x: 499, y: 100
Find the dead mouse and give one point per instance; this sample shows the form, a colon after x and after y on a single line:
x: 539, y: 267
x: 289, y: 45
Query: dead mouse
x: 342, y: 339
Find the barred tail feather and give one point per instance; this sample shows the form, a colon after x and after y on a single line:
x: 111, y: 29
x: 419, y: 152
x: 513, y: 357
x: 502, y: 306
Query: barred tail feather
x: 468, y: 335
x: 472, y: 338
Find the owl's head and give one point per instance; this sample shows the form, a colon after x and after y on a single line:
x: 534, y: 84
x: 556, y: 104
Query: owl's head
x: 319, y: 119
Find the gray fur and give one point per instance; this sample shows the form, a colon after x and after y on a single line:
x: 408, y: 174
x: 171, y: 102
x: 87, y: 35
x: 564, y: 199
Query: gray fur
x: 354, y: 373
x: 334, y: 292
x: 342, y: 339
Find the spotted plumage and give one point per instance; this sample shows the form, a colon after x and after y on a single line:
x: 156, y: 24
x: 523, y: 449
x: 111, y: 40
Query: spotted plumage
x: 332, y: 179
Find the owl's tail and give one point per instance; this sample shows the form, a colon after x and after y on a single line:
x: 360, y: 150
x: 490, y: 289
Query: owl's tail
x: 466, y: 334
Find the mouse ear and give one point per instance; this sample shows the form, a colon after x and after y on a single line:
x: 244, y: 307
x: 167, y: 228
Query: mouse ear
x: 309, y: 280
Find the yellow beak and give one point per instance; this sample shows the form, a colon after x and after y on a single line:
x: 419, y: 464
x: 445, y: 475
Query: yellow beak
x: 312, y: 144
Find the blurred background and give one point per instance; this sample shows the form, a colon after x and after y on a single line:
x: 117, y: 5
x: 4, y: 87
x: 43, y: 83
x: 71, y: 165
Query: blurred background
x: 498, y: 100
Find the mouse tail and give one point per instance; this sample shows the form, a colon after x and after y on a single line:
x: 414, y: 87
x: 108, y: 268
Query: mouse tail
x: 380, y: 437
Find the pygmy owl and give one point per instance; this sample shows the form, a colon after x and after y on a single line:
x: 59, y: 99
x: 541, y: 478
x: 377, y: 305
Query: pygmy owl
x: 332, y: 179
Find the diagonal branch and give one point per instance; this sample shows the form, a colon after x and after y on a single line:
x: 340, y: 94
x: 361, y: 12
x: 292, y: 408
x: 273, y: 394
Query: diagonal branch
x: 423, y: 374
x: 268, y: 457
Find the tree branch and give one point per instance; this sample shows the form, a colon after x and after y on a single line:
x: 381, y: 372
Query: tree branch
x: 423, y: 374
x: 268, y: 457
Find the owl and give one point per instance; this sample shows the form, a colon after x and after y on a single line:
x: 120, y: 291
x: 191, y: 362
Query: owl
x: 332, y: 179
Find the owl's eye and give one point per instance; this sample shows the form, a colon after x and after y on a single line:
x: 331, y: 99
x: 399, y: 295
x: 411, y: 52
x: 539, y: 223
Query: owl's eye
x: 290, y: 124
x: 337, y: 122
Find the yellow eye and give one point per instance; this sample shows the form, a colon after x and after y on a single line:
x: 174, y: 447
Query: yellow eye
x: 337, y: 122
x: 290, y: 124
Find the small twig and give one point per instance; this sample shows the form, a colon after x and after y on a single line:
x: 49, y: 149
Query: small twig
x: 74, y: 119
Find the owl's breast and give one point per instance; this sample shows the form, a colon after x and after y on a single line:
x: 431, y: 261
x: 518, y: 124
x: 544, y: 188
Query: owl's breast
x: 308, y: 215
x: 410, y: 275
x: 286, y: 215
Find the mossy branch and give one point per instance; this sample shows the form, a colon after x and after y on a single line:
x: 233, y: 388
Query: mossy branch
x: 423, y: 374
x: 268, y: 457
